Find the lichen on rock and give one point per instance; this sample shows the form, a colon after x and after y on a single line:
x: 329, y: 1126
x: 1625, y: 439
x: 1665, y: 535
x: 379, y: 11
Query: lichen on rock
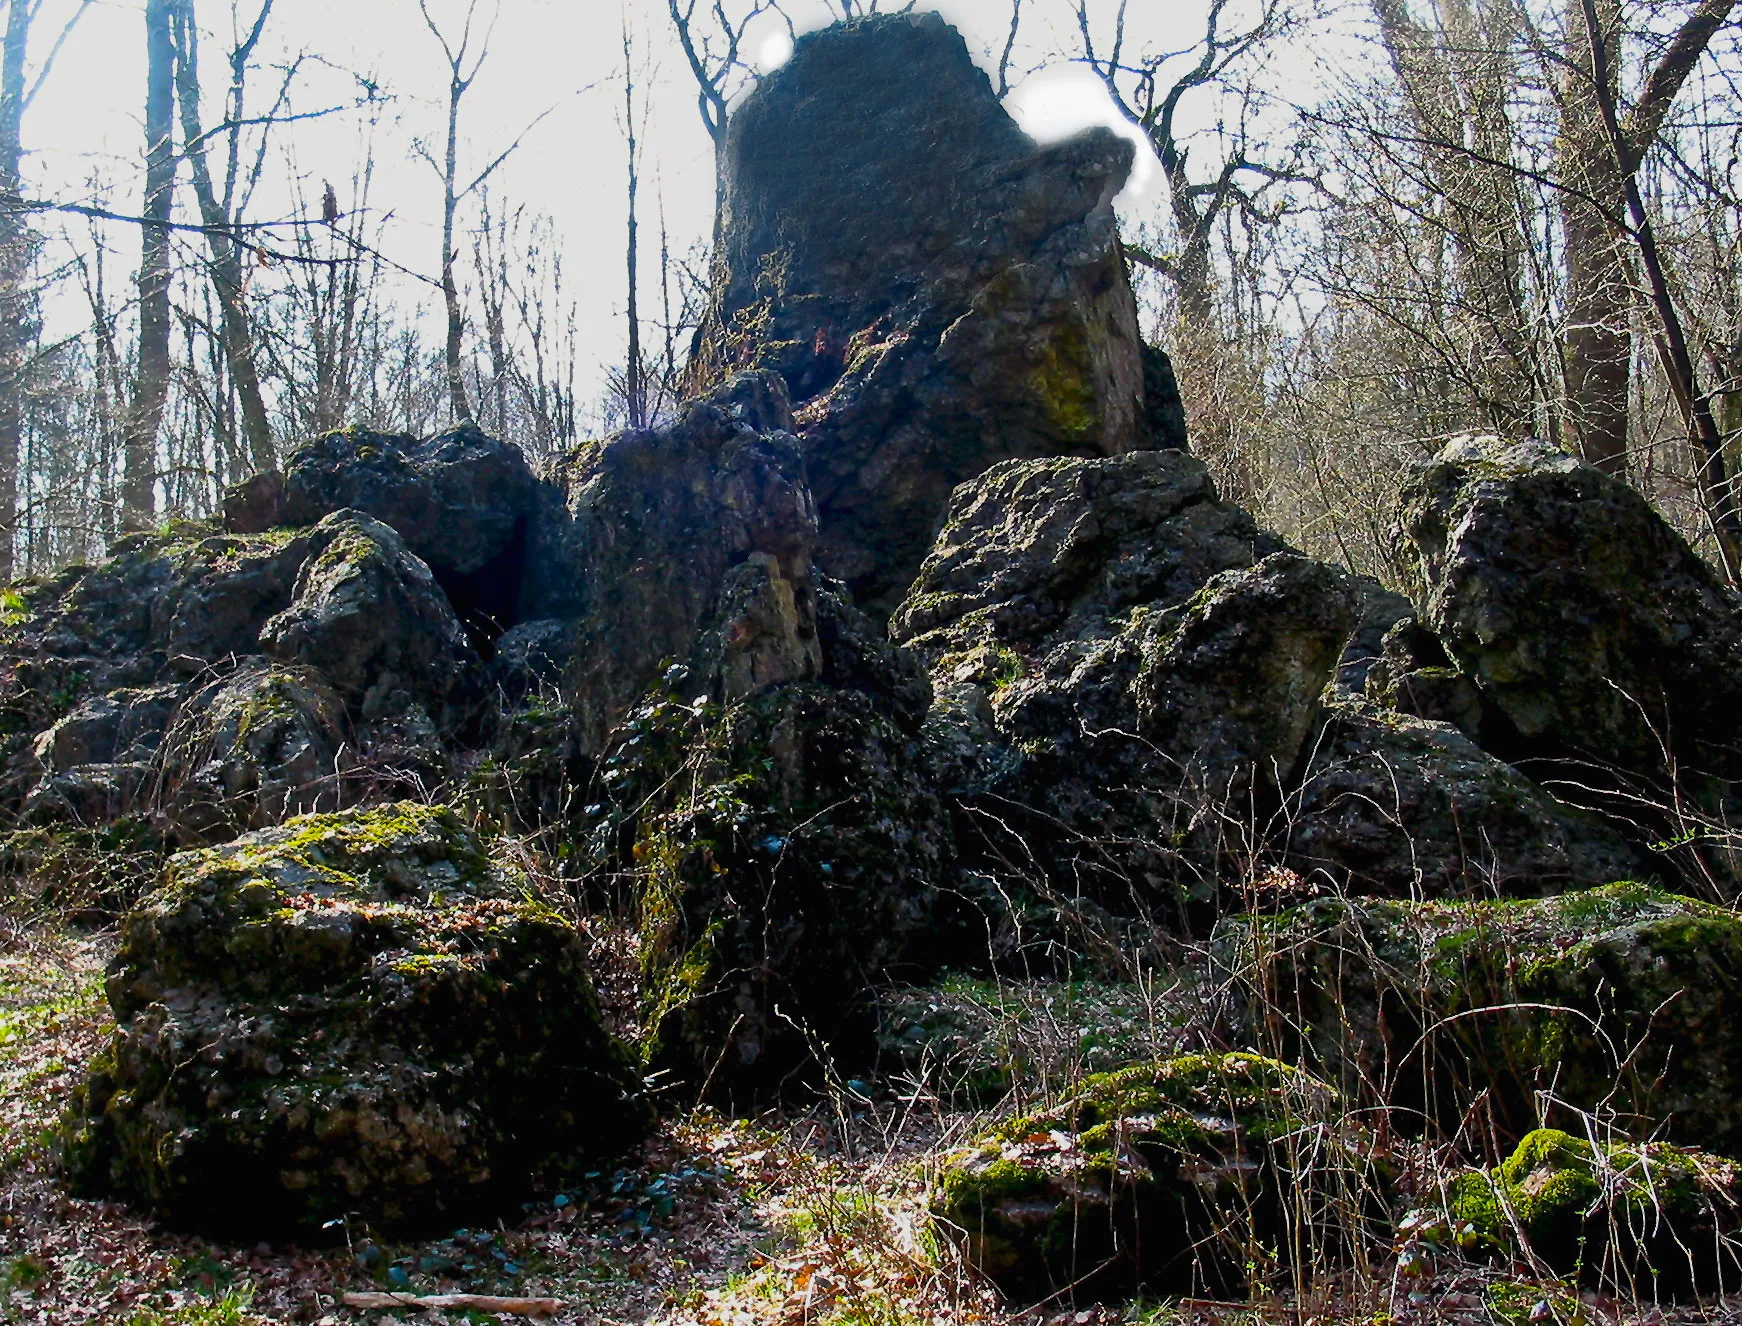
x: 1651, y: 1219
x: 346, y: 1015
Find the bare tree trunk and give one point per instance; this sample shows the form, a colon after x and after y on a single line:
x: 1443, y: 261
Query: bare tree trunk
x: 457, y: 402
x: 14, y: 273
x: 151, y: 361
x: 634, y: 387
x: 226, y: 265
x: 1599, y: 287
x: 1456, y: 78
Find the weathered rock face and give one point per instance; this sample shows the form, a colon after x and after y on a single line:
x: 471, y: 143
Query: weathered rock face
x: 935, y: 309
x: 266, y: 742
x: 346, y: 1015
x: 99, y: 657
x: 1579, y: 615
x: 1398, y: 805
x: 1622, y: 997
x: 1118, y: 657
x: 1158, y: 1178
x: 370, y: 617
x: 786, y: 857
x: 658, y: 521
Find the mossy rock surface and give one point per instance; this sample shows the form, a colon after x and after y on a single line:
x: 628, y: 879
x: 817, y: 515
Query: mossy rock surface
x: 1175, y: 1177
x: 784, y: 856
x: 1623, y: 997
x: 1653, y: 1218
x: 346, y: 1015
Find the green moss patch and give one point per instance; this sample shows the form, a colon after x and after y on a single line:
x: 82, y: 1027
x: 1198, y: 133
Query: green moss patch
x: 1643, y: 1219
x: 1185, y: 1175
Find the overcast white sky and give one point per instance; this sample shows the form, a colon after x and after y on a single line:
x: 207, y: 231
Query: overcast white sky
x: 563, y: 57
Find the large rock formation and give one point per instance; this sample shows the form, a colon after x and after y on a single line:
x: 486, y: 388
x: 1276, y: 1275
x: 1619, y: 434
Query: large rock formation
x: 938, y: 292
x: 345, y: 1016
x: 1584, y: 621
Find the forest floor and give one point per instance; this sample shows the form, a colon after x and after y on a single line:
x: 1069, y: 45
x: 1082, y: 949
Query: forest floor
x: 789, y: 1219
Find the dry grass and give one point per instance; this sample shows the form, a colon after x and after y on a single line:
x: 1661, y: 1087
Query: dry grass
x: 813, y: 1217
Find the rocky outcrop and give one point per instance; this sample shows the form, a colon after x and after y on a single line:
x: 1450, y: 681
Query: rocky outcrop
x: 370, y: 617
x: 787, y: 855
x: 1119, y: 657
x: 934, y: 309
x: 1621, y: 998
x: 1391, y: 804
x: 657, y: 522
x: 1158, y: 1178
x: 346, y: 1016
x: 1583, y: 620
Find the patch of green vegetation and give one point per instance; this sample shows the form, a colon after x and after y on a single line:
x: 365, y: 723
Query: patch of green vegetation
x: 228, y: 1308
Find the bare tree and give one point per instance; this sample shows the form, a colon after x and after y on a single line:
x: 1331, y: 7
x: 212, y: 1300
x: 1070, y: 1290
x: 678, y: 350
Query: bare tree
x: 634, y: 371
x: 1602, y: 144
x: 1144, y: 94
x: 221, y: 216
x: 463, y: 68
x: 713, y: 44
x: 1455, y: 72
x: 151, y: 366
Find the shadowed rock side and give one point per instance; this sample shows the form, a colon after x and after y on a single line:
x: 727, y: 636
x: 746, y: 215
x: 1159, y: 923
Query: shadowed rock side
x: 1129, y: 678
x: 938, y: 292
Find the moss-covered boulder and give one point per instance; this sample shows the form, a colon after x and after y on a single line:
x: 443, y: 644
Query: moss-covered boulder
x: 1202, y: 1174
x: 346, y: 1015
x: 1622, y: 999
x: 1651, y: 1220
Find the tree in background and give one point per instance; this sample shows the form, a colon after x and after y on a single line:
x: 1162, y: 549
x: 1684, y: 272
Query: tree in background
x: 151, y: 360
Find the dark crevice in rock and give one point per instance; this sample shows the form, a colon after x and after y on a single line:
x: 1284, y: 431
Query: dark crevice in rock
x: 487, y: 601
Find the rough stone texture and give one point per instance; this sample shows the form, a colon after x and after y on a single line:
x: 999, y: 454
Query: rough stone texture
x: 1582, y: 618
x: 163, y: 607
x: 936, y: 308
x: 1393, y: 804
x: 657, y: 523
x: 1567, y: 987
x: 1117, y: 656
x: 125, y: 724
x: 346, y: 1015
x: 458, y: 499
x: 370, y: 617
x: 787, y: 854
x: 1413, y: 675
x: 1156, y: 1178
x: 262, y: 744
x: 1658, y: 1215
x: 1381, y: 610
